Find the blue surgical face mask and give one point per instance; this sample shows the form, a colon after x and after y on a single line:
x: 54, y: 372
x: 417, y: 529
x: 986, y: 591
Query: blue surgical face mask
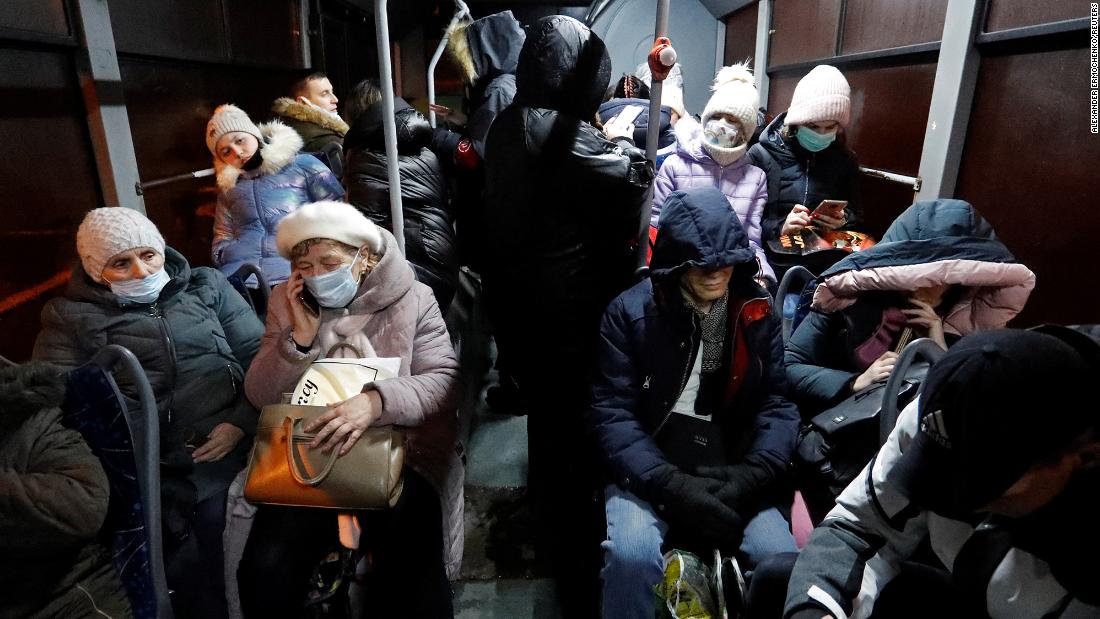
x: 814, y: 141
x: 144, y: 290
x: 336, y: 288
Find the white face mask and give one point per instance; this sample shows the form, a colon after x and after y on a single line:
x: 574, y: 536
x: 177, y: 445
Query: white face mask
x: 144, y: 290
x: 723, y: 133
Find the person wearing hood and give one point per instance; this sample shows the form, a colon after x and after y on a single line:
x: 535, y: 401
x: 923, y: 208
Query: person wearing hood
x: 368, y: 299
x: 486, y: 51
x: 429, y: 228
x: 715, y: 156
x: 563, y: 204
x: 994, y: 467
x: 803, y: 154
x: 261, y: 177
x: 311, y: 110
x: 53, y: 500
x: 694, y: 344
x: 631, y: 91
x: 195, y: 337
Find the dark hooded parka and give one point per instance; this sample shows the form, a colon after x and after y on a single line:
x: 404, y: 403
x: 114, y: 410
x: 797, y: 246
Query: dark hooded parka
x: 649, y: 338
x: 932, y: 243
x: 429, y: 225
x: 562, y: 202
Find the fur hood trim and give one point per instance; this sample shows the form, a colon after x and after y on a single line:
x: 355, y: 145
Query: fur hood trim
x: 281, y: 144
x: 285, y: 106
x: 27, y: 389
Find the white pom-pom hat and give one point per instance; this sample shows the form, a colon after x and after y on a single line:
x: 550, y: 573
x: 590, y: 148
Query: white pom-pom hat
x: 734, y: 94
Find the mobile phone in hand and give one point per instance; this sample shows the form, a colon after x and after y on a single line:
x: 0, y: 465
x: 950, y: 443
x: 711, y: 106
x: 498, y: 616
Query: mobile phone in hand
x: 830, y: 208
x: 309, y: 302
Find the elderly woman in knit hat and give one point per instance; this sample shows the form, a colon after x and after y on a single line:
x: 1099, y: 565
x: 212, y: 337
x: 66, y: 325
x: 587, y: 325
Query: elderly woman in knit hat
x: 350, y: 285
x: 195, y: 336
x: 261, y: 176
x: 713, y: 154
x: 803, y: 154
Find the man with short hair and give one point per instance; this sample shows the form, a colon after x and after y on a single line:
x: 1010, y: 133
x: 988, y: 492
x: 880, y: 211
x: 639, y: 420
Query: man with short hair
x: 312, y: 112
x: 995, y: 466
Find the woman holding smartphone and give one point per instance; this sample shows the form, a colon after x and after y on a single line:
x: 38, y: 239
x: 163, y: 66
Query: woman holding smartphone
x: 803, y: 154
x: 350, y: 285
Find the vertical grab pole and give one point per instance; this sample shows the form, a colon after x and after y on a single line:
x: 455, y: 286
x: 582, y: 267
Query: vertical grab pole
x: 389, y: 123
x: 461, y: 10
x: 656, y: 89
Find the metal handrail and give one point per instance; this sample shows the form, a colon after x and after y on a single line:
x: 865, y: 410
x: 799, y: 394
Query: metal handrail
x: 461, y: 10
x: 656, y: 90
x: 148, y: 462
x: 141, y: 187
x: 888, y: 417
x: 389, y: 123
x: 912, y: 181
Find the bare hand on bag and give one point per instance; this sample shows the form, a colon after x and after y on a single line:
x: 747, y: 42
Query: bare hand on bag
x: 304, y: 329
x: 222, y: 439
x: 879, y: 370
x: 345, y: 422
x: 797, y: 219
x: 447, y: 114
x: 924, y: 315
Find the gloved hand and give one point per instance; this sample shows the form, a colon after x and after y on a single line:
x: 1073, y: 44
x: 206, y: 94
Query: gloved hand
x: 740, y: 485
x: 689, y: 501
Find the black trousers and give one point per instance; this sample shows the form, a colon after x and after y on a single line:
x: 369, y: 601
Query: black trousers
x: 405, y: 544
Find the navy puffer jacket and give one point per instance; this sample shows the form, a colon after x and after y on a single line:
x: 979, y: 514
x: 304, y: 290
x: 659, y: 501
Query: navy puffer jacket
x: 648, y: 340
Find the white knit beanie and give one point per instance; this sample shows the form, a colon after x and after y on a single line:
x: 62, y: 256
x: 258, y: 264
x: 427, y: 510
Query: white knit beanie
x: 105, y: 232
x: 226, y: 119
x: 338, y: 221
x: 822, y: 95
x: 734, y: 94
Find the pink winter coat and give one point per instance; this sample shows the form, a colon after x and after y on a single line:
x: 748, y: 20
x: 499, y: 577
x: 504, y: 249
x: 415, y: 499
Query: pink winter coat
x: 744, y: 185
x: 393, y: 315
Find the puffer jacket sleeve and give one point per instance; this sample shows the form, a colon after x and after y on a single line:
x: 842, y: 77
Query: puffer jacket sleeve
x: 806, y: 355
x: 432, y: 387
x: 60, y: 499
x: 854, y: 210
x: 771, y: 222
x: 279, y: 364
x: 664, y: 184
x: 622, y: 172
x: 243, y: 330
x: 321, y: 183
x: 498, y: 95
x: 634, y: 458
x: 754, y: 222
x: 776, y: 425
x: 225, y: 229
x: 56, y: 342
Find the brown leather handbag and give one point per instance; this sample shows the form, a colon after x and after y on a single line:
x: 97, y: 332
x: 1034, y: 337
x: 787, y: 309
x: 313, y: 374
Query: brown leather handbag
x: 283, y: 470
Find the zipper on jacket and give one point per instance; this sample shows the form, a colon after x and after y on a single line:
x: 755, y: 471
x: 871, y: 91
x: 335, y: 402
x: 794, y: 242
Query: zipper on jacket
x: 683, y: 377
x: 232, y: 379
x: 806, y: 185
x: 157, y: 313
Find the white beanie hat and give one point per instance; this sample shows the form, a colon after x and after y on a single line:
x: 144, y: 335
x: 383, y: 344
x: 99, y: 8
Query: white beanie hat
x: 822, y: 95
x: 734, y: 94
x: 338, y: 221
x: 105, y: 232
x: 228, y: 118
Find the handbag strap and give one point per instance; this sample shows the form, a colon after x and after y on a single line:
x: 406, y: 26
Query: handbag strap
x: 297, y: 466
x: 340, y: 346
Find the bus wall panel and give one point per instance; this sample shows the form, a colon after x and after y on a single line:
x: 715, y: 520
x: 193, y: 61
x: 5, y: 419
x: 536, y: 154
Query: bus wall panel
x: 37, y: 16
x: 871, y: 25
x: 741, y: 35
x: 1008, y: 14
x: 803, y: 30
x: 48, y: 182
x: 264, y: 32
x: 1029, y: 166
x: 192, y: 30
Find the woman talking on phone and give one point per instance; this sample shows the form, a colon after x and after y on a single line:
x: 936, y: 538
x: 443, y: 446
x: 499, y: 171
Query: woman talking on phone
x: 195, y: 337
x: 350, y: 285
x: 803, y: 154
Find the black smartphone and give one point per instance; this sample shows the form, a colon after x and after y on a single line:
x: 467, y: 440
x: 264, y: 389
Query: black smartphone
x: 309, y: 302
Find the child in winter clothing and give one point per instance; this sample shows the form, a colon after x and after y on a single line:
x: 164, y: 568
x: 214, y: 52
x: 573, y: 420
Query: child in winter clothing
x: 261, y: 178
x: 714, y: 154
